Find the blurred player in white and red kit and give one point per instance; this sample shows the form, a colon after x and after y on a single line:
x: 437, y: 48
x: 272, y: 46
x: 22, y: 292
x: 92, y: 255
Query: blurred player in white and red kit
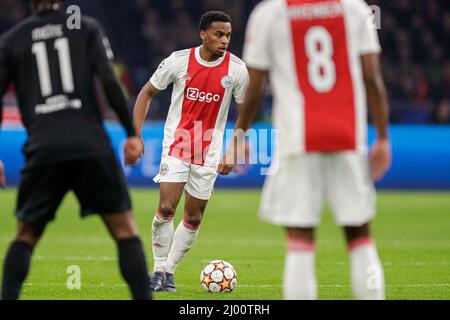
x: 204, y: 81
x: 323, y: 62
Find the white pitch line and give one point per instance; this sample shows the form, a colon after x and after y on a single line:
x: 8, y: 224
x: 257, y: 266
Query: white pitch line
x: 76, y: 258
x: 342, y: 263
x: 255, y: 242
x: 237, y: 262
x: 418, y: 285
x: 262, y: 286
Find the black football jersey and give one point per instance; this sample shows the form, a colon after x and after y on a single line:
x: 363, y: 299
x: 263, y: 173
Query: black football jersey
x: 54, y: 68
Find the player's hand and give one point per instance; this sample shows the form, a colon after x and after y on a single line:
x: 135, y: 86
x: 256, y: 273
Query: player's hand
x: 2, y: 175
x: 227, y: 165
x: 380, y: 158
x: 225, y: 169
x: 134, y: 148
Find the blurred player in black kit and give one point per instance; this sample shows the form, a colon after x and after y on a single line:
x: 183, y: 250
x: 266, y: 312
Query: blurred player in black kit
x: 53, y: 69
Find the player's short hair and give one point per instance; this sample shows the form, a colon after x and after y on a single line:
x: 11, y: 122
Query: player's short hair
x: 208, y: 18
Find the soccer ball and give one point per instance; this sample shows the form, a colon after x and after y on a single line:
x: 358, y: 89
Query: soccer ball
x: 218, y: 276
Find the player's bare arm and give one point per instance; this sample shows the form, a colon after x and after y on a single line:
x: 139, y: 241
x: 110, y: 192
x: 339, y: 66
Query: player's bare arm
x: 252, y: 104
x: 141, y: 108
x: 380, y: 154
x: 229, y: 160
x: 246, y: 115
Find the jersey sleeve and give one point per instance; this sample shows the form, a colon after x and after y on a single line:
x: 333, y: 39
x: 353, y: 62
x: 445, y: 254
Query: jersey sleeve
x: 102, y: 56
x: 241, y: 85
x: 368, y: 41
x: 164, y: 74
x: 5, y: 74
x: 256, y: 46
x: 100, y: 49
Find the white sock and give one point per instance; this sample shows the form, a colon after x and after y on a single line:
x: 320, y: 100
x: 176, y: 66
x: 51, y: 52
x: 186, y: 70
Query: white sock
x: 299, y: 271
x: 367, y: 275
x: 183, y: 238
x: 162, y: 233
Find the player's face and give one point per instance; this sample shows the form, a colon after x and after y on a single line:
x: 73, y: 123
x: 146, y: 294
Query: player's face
x: 217, y: 38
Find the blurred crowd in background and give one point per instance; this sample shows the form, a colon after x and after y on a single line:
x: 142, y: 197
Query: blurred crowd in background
x: 415, y: 36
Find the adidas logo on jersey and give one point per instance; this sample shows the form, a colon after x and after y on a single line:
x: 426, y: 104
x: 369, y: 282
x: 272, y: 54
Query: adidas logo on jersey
x: 195, y: 94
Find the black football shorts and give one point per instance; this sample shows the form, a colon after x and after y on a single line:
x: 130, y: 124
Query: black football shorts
x: 98, y: 183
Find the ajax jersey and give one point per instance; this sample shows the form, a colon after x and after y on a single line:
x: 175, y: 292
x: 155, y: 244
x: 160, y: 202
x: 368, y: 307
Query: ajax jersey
x: 312, y: 50
x: 201, y: 97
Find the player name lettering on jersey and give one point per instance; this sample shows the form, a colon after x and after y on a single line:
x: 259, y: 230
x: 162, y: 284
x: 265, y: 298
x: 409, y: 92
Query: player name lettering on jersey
x: 58, y: 103
x: 313, y: 11
x: 195, y: 94
x: 313, y: 49
x: 46, y: 32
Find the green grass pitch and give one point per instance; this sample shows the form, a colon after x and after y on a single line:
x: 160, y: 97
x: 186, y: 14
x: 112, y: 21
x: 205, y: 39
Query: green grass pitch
x: 412, y: 231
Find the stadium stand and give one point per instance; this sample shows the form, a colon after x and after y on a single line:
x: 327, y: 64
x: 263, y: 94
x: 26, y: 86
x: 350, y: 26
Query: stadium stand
x: 414, y: 35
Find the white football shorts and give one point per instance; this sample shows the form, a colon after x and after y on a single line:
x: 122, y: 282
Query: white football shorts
x: 293, y: 196
x: 199, y: 179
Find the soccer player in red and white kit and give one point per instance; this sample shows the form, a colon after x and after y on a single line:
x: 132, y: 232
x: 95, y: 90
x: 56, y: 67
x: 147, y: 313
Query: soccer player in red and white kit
x: 205, y: 79
x: 323, y: 60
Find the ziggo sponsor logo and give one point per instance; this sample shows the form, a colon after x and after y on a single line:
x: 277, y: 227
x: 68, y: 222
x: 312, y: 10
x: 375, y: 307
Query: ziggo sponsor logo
x: 195, y: 94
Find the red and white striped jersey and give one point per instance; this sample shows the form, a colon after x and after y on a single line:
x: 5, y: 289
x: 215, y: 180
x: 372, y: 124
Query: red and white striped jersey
x: 201, y: 97
x: 312, y: 51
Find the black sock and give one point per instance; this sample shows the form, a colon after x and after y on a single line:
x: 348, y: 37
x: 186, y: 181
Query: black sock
x: 15, y: 269
x: 133, y: 267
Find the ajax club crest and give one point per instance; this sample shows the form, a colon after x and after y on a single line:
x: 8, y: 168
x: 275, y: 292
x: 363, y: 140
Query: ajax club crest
x: 164, y: 169
x: 226, y: 82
